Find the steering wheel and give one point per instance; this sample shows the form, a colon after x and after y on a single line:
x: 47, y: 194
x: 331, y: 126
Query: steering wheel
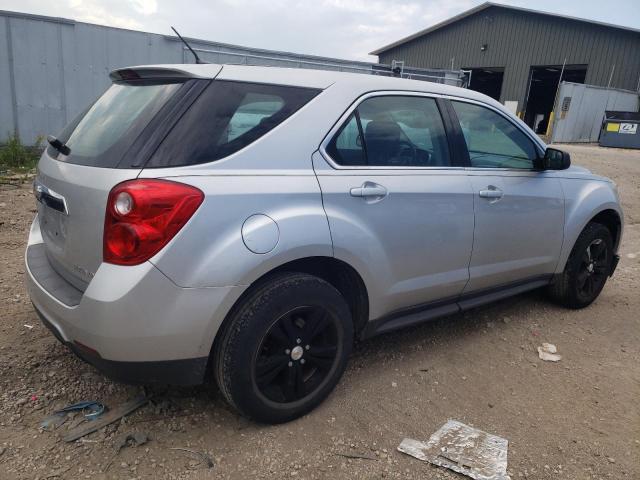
x: 406, y: 149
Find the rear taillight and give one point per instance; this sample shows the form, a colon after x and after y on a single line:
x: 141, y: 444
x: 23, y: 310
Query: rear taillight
x: 143, y: 215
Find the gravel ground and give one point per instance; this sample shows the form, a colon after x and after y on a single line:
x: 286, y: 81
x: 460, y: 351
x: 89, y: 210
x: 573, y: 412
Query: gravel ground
x: 578, y: 418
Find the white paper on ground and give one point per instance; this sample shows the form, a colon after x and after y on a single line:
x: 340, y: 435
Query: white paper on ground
x: 548, y: 353
x: 463, y: 449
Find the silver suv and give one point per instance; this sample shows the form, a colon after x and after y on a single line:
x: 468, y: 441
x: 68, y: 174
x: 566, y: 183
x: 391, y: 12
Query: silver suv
x: 250, y: 223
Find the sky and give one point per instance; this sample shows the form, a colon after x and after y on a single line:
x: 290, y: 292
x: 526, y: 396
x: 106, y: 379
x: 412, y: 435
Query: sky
x: 347, y: 29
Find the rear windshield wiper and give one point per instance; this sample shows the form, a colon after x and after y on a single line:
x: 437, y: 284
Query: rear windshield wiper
x: 58, y: 145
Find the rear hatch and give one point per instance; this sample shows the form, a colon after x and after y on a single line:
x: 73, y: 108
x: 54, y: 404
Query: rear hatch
x: 108, y: 143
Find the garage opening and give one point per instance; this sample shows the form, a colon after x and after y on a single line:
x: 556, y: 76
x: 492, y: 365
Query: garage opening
x: 487, y: 81
x: 543, y: 83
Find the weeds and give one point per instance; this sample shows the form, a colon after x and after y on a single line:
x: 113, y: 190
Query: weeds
x: 18, y: 158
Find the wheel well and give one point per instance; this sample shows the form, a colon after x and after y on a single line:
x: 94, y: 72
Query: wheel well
x: 611, y: 220
x: 342, y: 276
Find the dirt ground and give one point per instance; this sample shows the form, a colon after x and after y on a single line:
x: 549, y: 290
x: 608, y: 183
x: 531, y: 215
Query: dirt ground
x: 575, y: 419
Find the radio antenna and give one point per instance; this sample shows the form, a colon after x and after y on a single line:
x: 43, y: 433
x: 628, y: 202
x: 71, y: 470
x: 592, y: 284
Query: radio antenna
x: 188, y: 46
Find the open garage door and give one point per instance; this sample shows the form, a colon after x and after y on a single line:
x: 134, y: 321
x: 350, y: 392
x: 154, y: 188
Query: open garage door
x: 543, y: 84
x: 487, y: 81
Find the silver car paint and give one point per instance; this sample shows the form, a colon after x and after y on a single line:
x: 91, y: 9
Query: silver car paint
x: 75, y: 240
x: 516, y: 236
x: 411, y: 246
x: 172, y: 306
x: 585, y: 196
x: 136, y: 313
x: 215, y: 231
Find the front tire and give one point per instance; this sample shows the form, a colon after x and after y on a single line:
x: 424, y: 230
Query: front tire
x: 285, y: 348
x: 587, y: 268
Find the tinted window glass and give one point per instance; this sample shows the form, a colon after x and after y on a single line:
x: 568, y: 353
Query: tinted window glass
x: 228, y: 116
x: 398, y: 132
x: 492, y: 140
x: 254, y: 108
x: 102, y: 133
x: 346, y: 146
x: 404, y: 132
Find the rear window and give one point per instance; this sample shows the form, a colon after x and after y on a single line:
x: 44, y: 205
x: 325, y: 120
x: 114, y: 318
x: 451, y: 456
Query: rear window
x: 101, y: 134
x: 227, y: 117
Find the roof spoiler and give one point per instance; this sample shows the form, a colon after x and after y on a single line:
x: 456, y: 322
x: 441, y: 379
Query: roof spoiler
x: 150, y: 73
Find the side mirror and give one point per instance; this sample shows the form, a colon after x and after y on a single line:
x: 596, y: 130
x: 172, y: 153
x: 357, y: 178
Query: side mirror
x: 555, y: 159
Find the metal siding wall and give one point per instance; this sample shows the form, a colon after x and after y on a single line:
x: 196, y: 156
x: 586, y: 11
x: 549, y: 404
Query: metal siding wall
x: 584, y: 118
x: 519, y: 40
x: 61, y: 66
x: 36, y: 68
x: 6, y: 88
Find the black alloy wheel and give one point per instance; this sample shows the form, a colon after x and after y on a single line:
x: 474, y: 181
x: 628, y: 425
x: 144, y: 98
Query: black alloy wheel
x: 297, y: 354
x: 284, y: 347
x: 586, y: 270
x: 593, y: 270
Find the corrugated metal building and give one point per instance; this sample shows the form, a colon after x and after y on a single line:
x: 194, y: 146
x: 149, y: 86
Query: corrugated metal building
x: 51, y: 68
x: 517, y: 55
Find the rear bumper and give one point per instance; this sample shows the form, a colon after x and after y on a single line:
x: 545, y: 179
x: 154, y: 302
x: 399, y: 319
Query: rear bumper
x: 132, y: 323
x: 189, y: 371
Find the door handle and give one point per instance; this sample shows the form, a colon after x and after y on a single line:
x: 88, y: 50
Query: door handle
x: 368, y: 190
x: 491, y: 192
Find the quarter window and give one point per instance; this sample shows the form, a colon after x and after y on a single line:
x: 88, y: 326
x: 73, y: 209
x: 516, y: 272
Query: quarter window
x: 346, y: 148
x: 227, y: 117
x: 392, y: 131
x: 492, y: 140
x: 254, y: 108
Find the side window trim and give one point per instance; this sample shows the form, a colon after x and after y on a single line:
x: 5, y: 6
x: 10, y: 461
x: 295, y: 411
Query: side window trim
x: 352, y: 109
x: 356, y: 114
x: 458, y: 132
x: 457, y: 146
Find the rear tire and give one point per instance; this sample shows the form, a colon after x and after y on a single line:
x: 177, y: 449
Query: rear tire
x: 284, y: 349
x: 587, y: 268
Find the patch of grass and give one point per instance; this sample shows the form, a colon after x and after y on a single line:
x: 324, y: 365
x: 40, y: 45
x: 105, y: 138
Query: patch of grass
x: 18, y: 158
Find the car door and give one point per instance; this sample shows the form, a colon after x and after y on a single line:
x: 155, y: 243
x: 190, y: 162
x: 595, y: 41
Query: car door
x: 399, y: 210
x: 519, y: 211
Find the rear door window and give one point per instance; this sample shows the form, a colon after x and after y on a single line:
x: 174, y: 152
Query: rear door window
x: 227, y: 117
x: 392, y: 131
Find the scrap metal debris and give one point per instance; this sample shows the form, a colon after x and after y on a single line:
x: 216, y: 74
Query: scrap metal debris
x: 108, y: 418
x: 90, y: 409
x: 463, y: 449
x: 547, y: 352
